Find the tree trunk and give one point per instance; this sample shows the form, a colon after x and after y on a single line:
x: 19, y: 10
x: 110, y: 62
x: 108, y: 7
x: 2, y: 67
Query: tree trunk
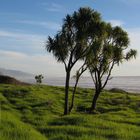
x: 95, y: 97
x: 73, y: 96
x: 66, y: 107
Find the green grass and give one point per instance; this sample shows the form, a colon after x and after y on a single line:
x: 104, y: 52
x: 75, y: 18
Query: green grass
x: 35, y: 113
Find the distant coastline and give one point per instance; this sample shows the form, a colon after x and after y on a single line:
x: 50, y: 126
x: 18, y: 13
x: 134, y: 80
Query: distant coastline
x: 127, y: 83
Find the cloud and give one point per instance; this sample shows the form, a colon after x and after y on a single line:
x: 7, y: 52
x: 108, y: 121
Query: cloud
x: 130, y: 2
x: 42, y: 62
x: 116, y: 22
x: 53, y: 7
x: 35, y: 64
x: 11, y: 54
x: 48, y: 25
x: 134, y: 35
x: 132, y: 67
x: 23, y: 36
x: 21, y: 41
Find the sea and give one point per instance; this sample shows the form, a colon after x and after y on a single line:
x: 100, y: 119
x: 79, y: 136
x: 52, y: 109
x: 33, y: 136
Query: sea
x: 127, y: 83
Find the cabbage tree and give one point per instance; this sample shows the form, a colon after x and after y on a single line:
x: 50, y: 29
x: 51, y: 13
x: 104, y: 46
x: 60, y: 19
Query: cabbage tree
x: 71, y: 43
x: 108, y: 49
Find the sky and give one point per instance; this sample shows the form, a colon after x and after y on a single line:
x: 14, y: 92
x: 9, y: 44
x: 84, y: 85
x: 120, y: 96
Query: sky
x: 26, y: 24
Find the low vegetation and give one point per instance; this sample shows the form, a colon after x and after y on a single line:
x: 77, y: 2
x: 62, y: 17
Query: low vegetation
x: 10, y: 80
x: 35, y: 113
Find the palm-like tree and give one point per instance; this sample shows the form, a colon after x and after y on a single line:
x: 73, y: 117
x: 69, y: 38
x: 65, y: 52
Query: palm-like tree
x: 77, y: 76
x: 70, y: 44
x: 108, y: 50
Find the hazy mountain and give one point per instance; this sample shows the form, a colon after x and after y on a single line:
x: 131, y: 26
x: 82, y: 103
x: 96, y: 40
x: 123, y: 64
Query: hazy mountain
x: 20, y: 75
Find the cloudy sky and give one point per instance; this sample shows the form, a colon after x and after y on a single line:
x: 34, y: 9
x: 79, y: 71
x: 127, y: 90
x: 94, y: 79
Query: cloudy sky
x: 26, y: 24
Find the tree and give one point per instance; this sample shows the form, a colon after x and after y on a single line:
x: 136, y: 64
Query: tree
x: 39, y: 78
x: 108, y: 49
x: 70, y: 44
x: 77, y: 76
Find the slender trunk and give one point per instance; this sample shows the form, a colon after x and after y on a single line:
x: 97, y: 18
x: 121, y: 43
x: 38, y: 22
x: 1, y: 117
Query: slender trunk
x: 66, y: 107
x: 95, y: 97
x: 73, y: 95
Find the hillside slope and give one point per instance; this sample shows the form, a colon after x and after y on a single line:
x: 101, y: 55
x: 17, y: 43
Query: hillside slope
x: 14, y: 73
x: 35, y: 113
x: 20, y: 75
x: 4, y: 79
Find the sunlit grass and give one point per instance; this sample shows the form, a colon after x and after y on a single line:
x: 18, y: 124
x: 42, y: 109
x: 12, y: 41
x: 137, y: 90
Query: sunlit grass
x: 35, y: 113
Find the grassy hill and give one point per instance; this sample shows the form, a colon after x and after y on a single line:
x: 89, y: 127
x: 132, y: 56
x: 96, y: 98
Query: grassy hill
x: 35, y: 113
x: 4, y: 79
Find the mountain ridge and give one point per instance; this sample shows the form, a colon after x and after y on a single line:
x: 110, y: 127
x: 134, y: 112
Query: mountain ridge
x: 19, y: 75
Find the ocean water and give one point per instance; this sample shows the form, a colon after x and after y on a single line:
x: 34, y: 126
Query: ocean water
x: 127, y: 83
